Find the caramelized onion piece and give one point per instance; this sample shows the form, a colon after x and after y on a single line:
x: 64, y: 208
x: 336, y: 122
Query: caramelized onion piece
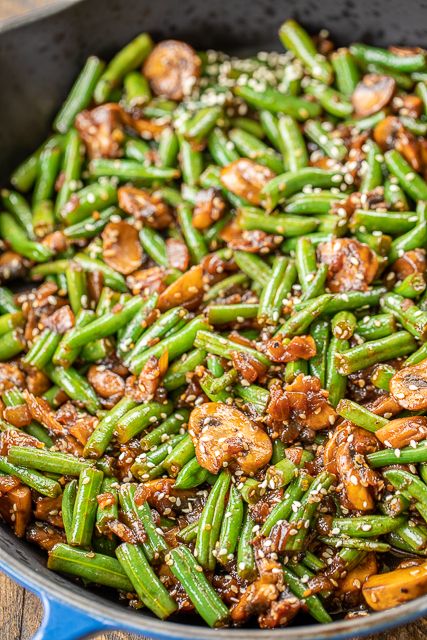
x: 187, y: 290
x: 223, y: 434
x: 352, y: 265
x: 15, y: 508
x: 246, y: 178
x: 300, y: 347
x: 121, y: 247
x: 372, y: 94
x: 172, y: 68
x: 409, y: 387
x: 386, y: 590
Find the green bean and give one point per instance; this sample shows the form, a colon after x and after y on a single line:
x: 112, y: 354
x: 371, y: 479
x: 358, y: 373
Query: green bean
x: 139, y: 418
x: 292, y: 144
x: 253, y: 266
x: 336, y: 382
x: 7, y: 303
x: 49, y: 162
x: 150, y: 590
x: 16, y: 204
x: 412, y: 183
x: 287, y: 184
x: 231, y: 527
x: 168, y: 148
x: 410, y: 317
x: 372, y: 173
x: 252, y: 147
x: 286, y: 225
x: 74, y: 385
x: 137, y: 89
x: 206, y: 601
x: 313, y: 603
x: 85, y: 506
x: 67, y: 506
x: 37, y: 481
x: 319, y: 331
x: 94, y: 197
x: 50, y: 461
x: 300, y: 321
x: 360, y: 416
x: 198, y: 127
x: 406, y: 455
x: 125, y: 170
x: 223, y: 313
x: 331, y: 100
x: 191, y: 475
x: 175, y: 345
x: 176, y: 375
x: 11, y: 344
x: 246, y: 567
x: 297, y: 40
x: 182, y: 452
x: 221, y: 149
x: 11, y: 231
x: 10, y: 321
x: 332, y: 147
x: 91, y: 567
x: 346, y: 72
x: 127, y: 59
x: 223, y: 347
x: 26, y: 173
x: 366, y: 526
x: 374, y: 351
x: 80, y: 95
x: 194, y: 239
x: 158, y: 329
x: 386, y: 58
x: 273, y: 100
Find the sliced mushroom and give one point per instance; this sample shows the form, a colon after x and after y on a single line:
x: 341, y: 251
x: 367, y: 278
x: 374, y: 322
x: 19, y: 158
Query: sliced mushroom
x: 359, y: 574
x: 121, y: 247
x: 61, y: 320
x: 413, y: 261
x: 209, y: 208
x: 101, y: 129
x: 222, y: 434
x: 386, y: 590
x: 401, y: 432
x: 172, y: 68
x: 145, y: 206
x: 105, y: 382
x: 352, y: 265
x: 409, y: 387
x: 187, y: 290
x: 12, y: 266
x: 41, y: 411
x: 372, y: 94
x: 246, y: 179
x: 177, y: 253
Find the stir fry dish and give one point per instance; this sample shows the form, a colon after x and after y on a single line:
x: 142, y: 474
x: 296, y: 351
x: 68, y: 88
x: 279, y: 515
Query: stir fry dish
x: 213, y: 332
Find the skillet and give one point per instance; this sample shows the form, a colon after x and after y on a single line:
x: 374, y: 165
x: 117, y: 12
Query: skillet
x: 40, y: 56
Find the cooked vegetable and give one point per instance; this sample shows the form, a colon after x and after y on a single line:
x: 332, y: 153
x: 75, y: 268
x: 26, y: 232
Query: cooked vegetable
x: 213, y: 383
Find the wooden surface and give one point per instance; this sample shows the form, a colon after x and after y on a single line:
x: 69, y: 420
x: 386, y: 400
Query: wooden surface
x: 20, y: 610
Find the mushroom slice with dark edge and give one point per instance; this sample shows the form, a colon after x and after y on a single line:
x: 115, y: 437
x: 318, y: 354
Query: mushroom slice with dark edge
x: 246, y: 179
x: 224, y: 435
x: 372, y: 94
x: 172, y: 68
x: 409, y: 387
x: 121, y: 247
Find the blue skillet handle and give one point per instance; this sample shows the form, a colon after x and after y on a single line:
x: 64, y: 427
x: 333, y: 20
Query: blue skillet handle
x: 62, y: 621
